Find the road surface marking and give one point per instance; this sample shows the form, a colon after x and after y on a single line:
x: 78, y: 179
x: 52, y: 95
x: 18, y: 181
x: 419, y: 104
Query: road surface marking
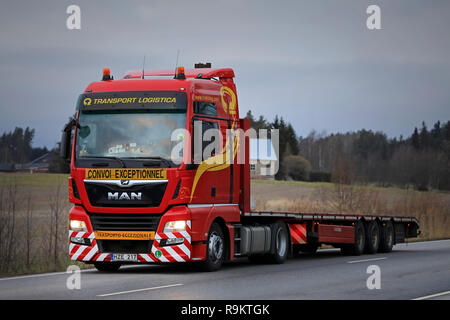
x: 139, y: 290
x: 42, y: 275
x: 62, y: 272
x: 433, y: 295
x: 365, y: 260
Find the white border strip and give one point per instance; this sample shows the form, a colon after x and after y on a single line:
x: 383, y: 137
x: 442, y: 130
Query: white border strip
x: 139, y: 290
x: 366, y: 260
x: 433, y: 295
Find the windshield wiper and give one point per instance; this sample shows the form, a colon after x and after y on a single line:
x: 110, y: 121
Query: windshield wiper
x: 168, y: 162
x: 122, y: 163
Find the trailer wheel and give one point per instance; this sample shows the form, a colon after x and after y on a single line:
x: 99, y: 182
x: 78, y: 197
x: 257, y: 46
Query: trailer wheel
x: 386, y: 237
x: 215, y: 249
x: 372, y: 237
x: 107, y: 266
x: 357, y: 248
x: 280, y: 243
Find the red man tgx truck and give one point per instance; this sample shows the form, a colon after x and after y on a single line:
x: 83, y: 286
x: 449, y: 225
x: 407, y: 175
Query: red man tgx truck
x: 145, y: 190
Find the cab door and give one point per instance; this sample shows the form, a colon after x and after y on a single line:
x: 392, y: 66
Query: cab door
x: 212, y: 180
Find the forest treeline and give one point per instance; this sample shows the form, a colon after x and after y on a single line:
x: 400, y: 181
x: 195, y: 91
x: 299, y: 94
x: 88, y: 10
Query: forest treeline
x: 16, y: 149
x: 421, y: 160
x: 16, y: 146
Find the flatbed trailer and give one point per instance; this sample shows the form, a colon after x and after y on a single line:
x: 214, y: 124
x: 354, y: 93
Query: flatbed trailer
x: 308, y: 231
x: 134, y: 203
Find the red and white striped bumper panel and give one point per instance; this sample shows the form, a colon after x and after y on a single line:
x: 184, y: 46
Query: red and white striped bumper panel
x: 176, y: 253
x: 173, y: 253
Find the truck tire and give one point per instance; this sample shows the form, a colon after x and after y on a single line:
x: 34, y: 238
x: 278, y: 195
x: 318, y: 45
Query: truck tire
x: 107, y: 266
x: 372, y: 237
x: 386, y: 237
x: 357, y: 248
x: 280, y: 243
x: 215, y: 248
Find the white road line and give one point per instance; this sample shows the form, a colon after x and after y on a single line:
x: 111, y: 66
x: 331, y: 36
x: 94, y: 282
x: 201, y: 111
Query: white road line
x: 433, y: 295
x: 37, y: 275
x: 139, y: 290
x: 42, y: 275
x: 365, y: 260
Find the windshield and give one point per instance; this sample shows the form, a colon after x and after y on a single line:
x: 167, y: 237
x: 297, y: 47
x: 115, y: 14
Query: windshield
x: 128, y: 134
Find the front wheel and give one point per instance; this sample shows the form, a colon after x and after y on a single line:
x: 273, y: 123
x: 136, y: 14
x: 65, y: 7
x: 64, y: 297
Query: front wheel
x: 215, y: 250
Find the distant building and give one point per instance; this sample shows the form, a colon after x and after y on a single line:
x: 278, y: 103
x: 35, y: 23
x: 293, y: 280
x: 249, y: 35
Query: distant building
x: 40, y: 164
x: 263, y: 159
x: 7, y: 167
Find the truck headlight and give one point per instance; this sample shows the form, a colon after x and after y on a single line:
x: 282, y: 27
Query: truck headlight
x: 175, y: 226
x: 77, y: 225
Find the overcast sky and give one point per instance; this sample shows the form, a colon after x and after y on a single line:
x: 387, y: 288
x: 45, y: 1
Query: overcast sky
x: 313, y: 62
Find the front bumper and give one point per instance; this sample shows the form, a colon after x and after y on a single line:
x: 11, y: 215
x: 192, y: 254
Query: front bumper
x: 83, y: 246
x: 171, y: 253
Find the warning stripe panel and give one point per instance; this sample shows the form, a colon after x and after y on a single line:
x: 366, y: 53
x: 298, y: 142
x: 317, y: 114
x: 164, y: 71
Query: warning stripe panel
x: 298, y: 233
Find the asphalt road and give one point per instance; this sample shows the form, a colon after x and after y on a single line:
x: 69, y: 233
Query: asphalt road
x: 412, y: 271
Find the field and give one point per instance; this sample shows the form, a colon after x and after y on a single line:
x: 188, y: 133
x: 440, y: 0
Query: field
x: 431, y: 208
x: 34, y: 213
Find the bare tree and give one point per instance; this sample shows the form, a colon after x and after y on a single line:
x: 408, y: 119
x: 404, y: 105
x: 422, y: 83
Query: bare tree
x: 57, y: 206
x: 28, y: 226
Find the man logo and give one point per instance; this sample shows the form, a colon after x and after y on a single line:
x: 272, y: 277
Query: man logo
x: 124, y: 182
x: 87, y: 101
x: 125, y: 196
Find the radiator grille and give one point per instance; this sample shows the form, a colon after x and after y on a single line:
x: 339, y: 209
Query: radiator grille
x: 151, y: 195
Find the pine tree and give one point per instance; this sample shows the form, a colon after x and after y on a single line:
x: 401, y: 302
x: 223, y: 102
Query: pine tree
x: 415, y: 141
x: 424, y: 137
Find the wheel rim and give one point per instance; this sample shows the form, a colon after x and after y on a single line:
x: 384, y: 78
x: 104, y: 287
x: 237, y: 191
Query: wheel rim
x: 374, y: 237
x: 215, y: 247
x: 281, y: 242
x: 360, y: 239
x: 390, y: 236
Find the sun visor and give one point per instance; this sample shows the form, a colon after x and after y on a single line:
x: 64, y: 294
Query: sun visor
x: 125, y: 100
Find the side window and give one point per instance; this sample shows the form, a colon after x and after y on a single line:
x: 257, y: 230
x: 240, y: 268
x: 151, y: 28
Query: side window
x: 209, y: 140
x: 207, y: 108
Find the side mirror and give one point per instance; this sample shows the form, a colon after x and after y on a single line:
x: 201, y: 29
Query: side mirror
x: 64, y: 150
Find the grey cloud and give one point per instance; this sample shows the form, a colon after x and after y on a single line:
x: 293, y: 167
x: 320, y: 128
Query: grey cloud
x: 313, y: 62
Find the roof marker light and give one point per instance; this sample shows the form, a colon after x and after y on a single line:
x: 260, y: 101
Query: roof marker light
x: 107, y: 74
x: 180, y: 73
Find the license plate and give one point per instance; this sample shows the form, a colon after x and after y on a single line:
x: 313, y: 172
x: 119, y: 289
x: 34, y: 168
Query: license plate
x: 124, y: 257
